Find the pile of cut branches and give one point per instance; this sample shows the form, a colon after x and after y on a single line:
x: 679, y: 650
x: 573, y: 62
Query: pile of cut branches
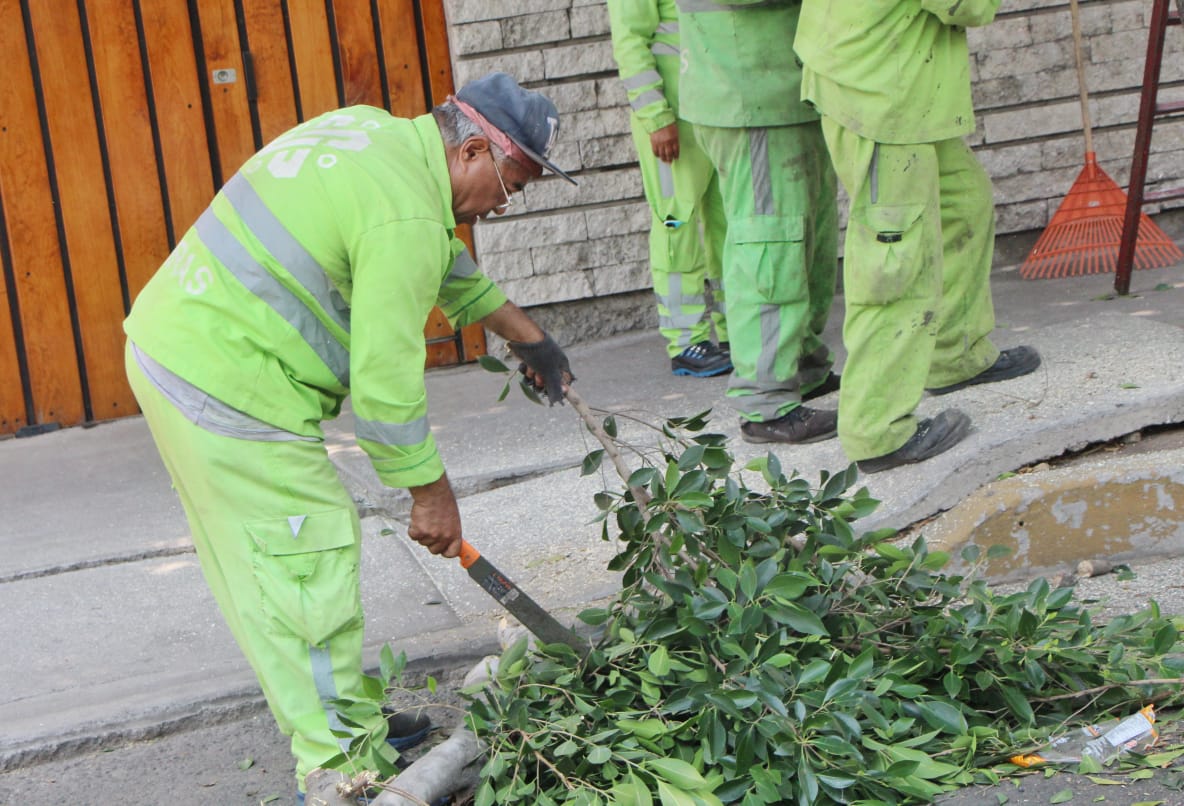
x: 762, y: 651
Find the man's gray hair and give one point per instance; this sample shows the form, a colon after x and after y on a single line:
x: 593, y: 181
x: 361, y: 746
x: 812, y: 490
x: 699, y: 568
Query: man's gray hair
x: 456, y: 127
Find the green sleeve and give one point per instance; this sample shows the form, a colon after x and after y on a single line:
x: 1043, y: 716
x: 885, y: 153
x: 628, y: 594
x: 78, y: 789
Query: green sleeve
x: 397, y: 271
x: 633, y: 25
x: 968, y: 13
x: 467, y: 295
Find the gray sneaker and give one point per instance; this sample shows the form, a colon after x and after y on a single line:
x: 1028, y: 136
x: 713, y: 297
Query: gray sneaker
x: 1011, y: 363
x: 933, y: 436
x: 800, y: 425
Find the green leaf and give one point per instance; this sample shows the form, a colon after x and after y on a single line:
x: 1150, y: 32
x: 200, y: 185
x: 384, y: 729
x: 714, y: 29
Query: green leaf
x: 491, y: 364
x: 943, y: 716
x: 246, y: 763
x: 1165, y: 639
x: 1064, y: 796
x: 631, y: 791
x: 659, y: 662
x: 591, y: 462
x: 670, y: 796
x: 677, y: 772
x: 799, y: 618
x: 599, y: 755
x: 610, y: 426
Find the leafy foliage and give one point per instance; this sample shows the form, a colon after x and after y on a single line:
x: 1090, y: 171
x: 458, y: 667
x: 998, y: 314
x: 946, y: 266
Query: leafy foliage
x: 762, y: 651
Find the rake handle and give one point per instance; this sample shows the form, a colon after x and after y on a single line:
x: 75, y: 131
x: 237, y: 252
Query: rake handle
x: 1075, y: 13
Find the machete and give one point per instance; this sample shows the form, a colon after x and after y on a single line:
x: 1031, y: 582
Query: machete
x: 521, y: 606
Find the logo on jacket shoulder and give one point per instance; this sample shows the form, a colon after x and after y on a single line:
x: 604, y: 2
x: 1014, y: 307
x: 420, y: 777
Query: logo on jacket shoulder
x: 285, y: 156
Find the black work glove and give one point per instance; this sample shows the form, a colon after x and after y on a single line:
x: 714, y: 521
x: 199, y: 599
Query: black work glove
x: 546, y: 359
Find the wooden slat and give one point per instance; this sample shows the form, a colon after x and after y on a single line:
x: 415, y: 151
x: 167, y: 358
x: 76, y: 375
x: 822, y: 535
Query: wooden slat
x: 82, y: 197
x: 404, y: 72
x: 127, y: 124
x: 229, y: 105
x: 268, y: 43
x: 360, y: 77
x: 12, y: 398
x: 181, y: 124
x: 435, y: 32
x: 313, y: 54
x: 33, y: 239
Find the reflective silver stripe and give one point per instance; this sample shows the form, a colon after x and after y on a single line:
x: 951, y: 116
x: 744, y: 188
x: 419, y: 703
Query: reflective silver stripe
x: 234, y: 256
x: 698, y: 6
x: 766, y: 362
x: 758, y: 158
x: 642, y: 79
x: 646, y: 98
x: 463, y: 266
x: 662, y: 49
x: 322, y: 676
x: 288, y: 252
x: 398, y: 434
x: 667, y: 28
x: 666, y: 179
x: 676, y: 316
x: 680, y: 322
x: 719, y: 302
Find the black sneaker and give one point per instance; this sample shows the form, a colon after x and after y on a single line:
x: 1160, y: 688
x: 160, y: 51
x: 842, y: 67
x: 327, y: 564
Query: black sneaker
x: 406, y: 729
x: 801, y: 425
x: 702, y: 360
x: 725, y: 347
x: 1011, y: 363
x: 933, y: 436
x: 829, y: 384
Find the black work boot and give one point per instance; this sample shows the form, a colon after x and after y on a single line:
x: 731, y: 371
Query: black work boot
x: 829, y: 384
x: 701, y: 360
x: 1011, y: 363
x: 934, y: 435
x: 800, y: 425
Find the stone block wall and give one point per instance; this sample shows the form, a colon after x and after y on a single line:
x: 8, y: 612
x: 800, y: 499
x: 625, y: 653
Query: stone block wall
x: 570, y: 252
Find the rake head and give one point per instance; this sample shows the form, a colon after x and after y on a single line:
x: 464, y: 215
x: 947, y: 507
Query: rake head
x: 1085, y: 232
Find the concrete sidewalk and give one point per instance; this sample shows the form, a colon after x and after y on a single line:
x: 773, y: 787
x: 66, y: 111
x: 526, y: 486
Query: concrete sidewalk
x: 111, y: 634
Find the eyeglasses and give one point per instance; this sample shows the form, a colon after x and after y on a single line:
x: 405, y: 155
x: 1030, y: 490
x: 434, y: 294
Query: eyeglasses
x: 506, y: 193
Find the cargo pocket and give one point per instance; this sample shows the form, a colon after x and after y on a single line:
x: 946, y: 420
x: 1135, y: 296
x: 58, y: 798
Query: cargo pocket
x: 885, y: 253
x: 307, y: 569
x: 772, y: 256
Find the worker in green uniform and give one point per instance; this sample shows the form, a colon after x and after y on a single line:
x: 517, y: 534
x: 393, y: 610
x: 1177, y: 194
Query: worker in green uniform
x: 680, y: 185
x: 311, y: 276
x: 891, y: 79
x: 740, y: 86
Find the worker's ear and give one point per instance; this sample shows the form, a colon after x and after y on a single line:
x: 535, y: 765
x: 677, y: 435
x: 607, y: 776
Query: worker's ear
x: 473, y: 149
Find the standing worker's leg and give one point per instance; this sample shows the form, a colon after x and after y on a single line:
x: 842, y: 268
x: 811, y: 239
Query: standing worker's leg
x: 279, y: 544
x: 678, y: 262
x: 892, y: 277
x: 715, y: 236
x: 779, y: 268
x: 964, y: 354
x: 966, y: 316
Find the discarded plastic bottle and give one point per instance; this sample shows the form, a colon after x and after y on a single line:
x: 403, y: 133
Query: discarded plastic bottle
x: 1102, y: 742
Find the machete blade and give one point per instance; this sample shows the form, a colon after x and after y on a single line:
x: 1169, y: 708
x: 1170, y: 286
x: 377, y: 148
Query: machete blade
x: 515, y: 600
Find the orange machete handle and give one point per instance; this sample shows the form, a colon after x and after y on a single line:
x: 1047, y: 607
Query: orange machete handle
x: 468, y: 555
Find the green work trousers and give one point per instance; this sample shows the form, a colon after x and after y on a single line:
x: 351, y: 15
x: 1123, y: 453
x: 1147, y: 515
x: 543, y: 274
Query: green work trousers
x: 279, y: 543
x: 780, y: 261
x: 916, y: 279
x: 687, y: 231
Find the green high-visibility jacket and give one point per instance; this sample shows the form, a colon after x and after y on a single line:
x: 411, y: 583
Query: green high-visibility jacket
x: 311, y: 276
x: 892, y: 71
x: 739, y: 70
x: 643, y: 31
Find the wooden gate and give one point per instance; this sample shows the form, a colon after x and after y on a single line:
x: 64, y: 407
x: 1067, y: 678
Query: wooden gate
x: 118, y: 121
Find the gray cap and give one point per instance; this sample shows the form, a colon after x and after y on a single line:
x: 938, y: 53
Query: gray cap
x: 526, y: 117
